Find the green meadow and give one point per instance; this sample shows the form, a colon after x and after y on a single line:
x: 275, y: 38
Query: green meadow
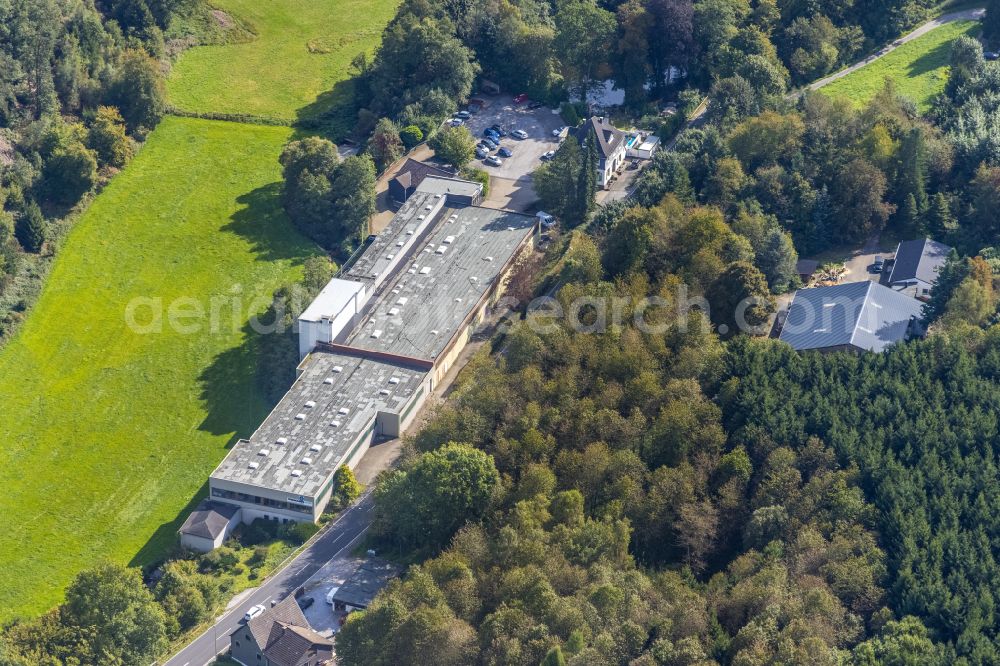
x: 302, y: 49
x: 111, y: 430
x: 918, y: 68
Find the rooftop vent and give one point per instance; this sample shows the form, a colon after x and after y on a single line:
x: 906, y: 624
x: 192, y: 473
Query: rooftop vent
x: 300, y: 417
x: 296, y: 472
x: 402, y: 300
x: 264, y: 452
x: 441, y: 249
x: 412, y: 271
x: 377, y: 333
x: 343, y: 411
x: 400, y: 244
x: 307, y: 461
x: 253, y: 465
x: 437, y: 196
x: 419, y: 217
x: 389, y: 256
x: 409, y: 232
x: 449, y: 240
x: 425, y: 270
x: 394, y: 380
x: 383, y: 392
x: 393, y: 312
x: 488, y: 258
x: 338, y: 368
x: 434, y: 332
x: 428, y: 207
x: 335, y: 424
x: 282, y: 440
x: 473, y: 278
x: 310, y: 404
x: 315, y: 447
x: 458, y: 300
x: 328, y: 380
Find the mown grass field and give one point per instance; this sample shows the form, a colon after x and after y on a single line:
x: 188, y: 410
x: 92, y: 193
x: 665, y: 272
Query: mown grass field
x: 303, y: 48
x: 108, y: 433
x: 919, y: 68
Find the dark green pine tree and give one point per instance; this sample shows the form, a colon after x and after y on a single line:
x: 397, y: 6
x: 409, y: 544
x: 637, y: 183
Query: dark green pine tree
x: 940, y: 220
x: 586, y: 188
x: 913, y: 169
x: 991, y: 22
x: 31, y: 230
x: 910, y: 217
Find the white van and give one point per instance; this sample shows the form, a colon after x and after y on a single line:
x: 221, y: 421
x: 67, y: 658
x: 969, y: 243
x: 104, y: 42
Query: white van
x: 331, y: 594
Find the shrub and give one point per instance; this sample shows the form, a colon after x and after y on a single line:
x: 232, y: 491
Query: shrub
x: 259, y: 555
x: 411, y: 135
x: 299, y: 533
x: 220, y: 559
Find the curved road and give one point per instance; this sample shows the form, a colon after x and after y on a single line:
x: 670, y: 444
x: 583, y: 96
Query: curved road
x: 329, y: 543
x: 965, y: 15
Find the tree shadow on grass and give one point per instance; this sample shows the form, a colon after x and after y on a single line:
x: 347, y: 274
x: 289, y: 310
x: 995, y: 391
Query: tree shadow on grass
x: 263, y: 223
x: 332, y: 116
x: 930, y: 60
x: 165, y: 540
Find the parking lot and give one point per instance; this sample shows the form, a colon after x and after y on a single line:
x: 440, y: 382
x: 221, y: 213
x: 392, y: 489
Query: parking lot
x: 511, y: 183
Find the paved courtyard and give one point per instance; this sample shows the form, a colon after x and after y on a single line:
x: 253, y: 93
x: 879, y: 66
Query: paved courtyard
x: 510, y: 184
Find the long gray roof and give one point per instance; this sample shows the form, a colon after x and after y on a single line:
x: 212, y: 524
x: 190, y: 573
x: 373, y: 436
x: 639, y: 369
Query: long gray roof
x: 918, y: 260
x: 366, y: 582
x: 423, y: 306
x: 865, y: 315
x: 608, y: 136
x: 331, y: 404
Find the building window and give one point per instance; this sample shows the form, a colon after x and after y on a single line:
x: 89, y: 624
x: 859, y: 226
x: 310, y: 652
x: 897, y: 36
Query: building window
x: 237, y: 643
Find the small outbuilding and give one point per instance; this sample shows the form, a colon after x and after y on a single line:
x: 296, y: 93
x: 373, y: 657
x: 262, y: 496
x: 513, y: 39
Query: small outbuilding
x: 806, y: 268
x: 209, y: 526
x: 358, y: 591
x: 410, y: 176
x: 917, y: 265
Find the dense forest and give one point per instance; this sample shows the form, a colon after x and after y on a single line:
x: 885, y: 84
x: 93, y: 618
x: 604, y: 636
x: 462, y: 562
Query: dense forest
x: 671, y: 495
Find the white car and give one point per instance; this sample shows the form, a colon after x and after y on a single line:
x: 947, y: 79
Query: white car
x: 548, y: 155
x: 559, y: 132
x: 493, y: 160
x: 255, y: 611
x: 519, y: 134
x: 456, y: 122
x: 481, y: 152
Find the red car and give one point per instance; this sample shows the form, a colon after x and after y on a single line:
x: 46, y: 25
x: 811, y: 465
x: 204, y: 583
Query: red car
x: 521, y: 99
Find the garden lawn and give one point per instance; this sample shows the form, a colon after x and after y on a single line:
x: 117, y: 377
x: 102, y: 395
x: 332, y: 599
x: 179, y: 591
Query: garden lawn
x: 919, y: 68
x: 303, y: 48
x: 109, y: 434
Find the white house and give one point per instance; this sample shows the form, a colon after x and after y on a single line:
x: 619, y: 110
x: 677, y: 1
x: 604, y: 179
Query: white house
x: 610, y: 147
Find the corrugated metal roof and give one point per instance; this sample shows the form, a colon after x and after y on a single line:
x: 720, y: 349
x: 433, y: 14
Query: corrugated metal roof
x: 918, y: 260
x: 865, y: 315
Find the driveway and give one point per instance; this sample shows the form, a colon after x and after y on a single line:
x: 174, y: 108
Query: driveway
x: 510, y: 184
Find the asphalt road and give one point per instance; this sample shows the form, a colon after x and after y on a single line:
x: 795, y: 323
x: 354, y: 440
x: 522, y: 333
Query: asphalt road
x: 966, y: 15
x: 332, y: 541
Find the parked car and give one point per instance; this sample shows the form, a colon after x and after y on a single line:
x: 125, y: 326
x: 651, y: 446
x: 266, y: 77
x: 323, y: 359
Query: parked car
x: 489, y: 143
x: 521, y: 99
x: 535, y: 105
x: 255, y: 611
x: 991, y: 55
x: 519, y: 134
x: 464, y: 115
x: 306, y: 602
x: 548, y: 155
x: 499, y: 130
x: 493, y: 160
x: 482, y: 151
x: 559, y: 132
x: 879, y: 264
x: 456, y: 122
x: 489, y: 131
x: 547, y: 220
x: 633, y: 165
x: 504, y: 152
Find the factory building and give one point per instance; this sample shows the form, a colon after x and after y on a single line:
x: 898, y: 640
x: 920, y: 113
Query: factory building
x: 374, y: 344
